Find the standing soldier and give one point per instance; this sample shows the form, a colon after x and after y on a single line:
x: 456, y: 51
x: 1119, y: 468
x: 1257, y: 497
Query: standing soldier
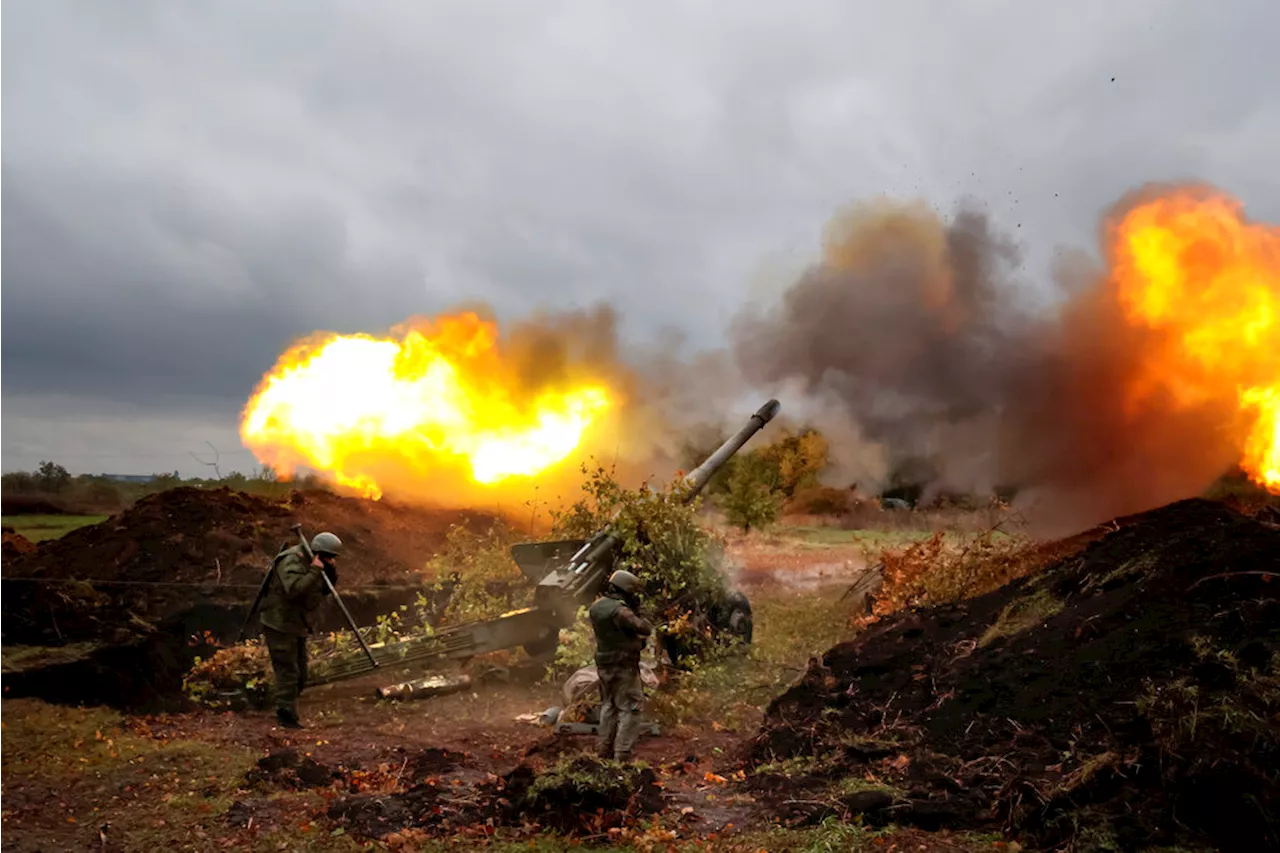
x: 620, y: 638
x: 295, y: 590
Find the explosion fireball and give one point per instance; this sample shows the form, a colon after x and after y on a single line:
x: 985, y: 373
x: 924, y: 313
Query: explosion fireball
x: 1190, y: 268
x: 1159, y: 369
x: 436, y: 396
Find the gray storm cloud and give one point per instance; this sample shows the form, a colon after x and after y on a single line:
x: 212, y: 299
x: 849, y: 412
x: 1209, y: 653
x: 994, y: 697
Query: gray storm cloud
x: 189, y: 187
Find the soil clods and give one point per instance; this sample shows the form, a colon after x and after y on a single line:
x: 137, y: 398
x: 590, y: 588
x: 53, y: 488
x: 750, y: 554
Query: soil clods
x: 581, y: 795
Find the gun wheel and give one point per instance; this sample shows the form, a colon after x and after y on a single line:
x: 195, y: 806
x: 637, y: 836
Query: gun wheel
x: 544, y: 647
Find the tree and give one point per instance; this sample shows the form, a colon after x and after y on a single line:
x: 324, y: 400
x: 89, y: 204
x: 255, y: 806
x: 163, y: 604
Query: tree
x: 753, y: 497
x: 18, y: 482
x: 798, y: 459
x: 53, y: 477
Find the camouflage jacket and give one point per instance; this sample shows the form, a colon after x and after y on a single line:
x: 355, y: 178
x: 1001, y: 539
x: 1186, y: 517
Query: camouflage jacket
x: 620, y: 633
x: 296, y: 589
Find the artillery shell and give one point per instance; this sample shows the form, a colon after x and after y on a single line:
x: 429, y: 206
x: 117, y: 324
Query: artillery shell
x: 425, y: 688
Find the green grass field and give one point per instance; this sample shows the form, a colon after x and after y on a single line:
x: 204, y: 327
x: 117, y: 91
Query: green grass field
x: 872, y: 538
x: 40, y: 527
x: 838, y: 536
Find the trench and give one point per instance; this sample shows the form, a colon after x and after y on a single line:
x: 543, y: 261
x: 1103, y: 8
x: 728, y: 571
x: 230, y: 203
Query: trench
x: 72, y: 648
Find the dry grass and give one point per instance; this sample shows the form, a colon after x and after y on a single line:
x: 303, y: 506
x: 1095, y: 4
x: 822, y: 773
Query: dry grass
x: 939, y: 570
x: 1020, y: 615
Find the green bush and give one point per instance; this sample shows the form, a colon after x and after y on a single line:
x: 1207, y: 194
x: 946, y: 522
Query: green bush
x: 478, y: 572
x: 755, y: 495
x: 659, y: 532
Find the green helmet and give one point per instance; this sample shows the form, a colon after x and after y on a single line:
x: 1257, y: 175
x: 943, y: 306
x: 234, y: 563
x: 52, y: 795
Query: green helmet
x: 627, y: 582
x: 326, y: 544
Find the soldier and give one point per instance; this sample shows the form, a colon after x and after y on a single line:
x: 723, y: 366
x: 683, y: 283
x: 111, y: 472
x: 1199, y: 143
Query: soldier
x: 620, y: 638
x: 296, y: 589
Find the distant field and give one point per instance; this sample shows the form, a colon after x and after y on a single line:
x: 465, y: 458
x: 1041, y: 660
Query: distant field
x: 821, y: 536
x: 835, y: 536
x: 40, y: 527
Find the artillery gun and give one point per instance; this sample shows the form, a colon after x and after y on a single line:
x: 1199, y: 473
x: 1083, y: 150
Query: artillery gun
x: 567, y: 574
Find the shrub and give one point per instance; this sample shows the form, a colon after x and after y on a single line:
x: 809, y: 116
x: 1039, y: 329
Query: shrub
x: 755, y: 497
x: 934, y: 572
x: 476, y: 573
x: 234, y: 674
x: 659, y: 533
x: 661, y: 540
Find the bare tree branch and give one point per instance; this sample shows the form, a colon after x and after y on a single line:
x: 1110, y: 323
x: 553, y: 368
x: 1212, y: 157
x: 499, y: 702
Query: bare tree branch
x: 214, y: 463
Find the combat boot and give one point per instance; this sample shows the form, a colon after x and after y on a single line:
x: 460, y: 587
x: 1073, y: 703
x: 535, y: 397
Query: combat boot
x: 288, y: 719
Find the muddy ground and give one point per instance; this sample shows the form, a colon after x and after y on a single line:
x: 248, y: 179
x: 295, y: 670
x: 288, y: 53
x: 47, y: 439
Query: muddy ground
x: 457, y: 771
x: 372, y: 770
x: 1125, y: 697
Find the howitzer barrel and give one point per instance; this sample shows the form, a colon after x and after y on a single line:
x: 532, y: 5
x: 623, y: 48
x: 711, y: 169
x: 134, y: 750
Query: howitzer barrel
x: 698, y: 478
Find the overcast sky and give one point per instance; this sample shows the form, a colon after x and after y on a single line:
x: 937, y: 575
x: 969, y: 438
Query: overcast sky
x: 189, y: 186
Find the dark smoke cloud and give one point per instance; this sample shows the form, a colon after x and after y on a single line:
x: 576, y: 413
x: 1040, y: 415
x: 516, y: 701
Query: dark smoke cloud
x: 924, y: 337
x: 911, y: 324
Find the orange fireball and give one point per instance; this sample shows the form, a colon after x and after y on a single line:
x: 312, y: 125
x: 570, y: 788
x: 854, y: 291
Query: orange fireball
x: 437, y: 396
x: 1191, y: 269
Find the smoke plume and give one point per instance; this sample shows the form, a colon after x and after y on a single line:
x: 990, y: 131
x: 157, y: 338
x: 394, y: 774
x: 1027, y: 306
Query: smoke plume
x: 921, y: 333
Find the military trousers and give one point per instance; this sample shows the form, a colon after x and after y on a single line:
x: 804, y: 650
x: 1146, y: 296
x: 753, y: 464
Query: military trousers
x: 289, y: 661
x: 621, y: 698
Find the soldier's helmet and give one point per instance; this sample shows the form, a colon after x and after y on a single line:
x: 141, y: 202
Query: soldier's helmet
x: 326, y: 544
x: 627, y: 582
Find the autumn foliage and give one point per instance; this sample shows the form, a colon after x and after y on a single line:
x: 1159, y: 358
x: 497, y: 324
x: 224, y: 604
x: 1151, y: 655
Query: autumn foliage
x: 936, y: 571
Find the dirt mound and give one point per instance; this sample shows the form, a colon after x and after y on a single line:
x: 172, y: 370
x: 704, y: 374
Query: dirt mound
x: 220, y: 536
x: 580, y: 796
x: 184, y: 564
x: 15, y: 545
x: 433, y: 761
x: 284, y: 768
x: 1133, y: 682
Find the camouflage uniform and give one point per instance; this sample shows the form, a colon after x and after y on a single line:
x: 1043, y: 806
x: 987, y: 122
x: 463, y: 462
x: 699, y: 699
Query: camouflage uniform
x: 296, y: 589
x: 620, y: 638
